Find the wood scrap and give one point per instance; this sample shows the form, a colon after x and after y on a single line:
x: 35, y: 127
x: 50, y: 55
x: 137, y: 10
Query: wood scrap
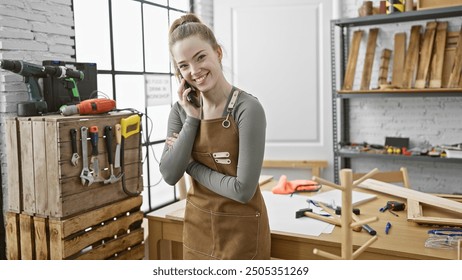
x: 436, y: 71
x: 415, y: 214
x: 383, y: 70
x: 369, y: 59
x: 457, y: 67
x: 399, y: 54
x: 425, y: 55
x: 421, y: 197
x: 449, y: 53
x: 352, y: 60
x: 412, y: 57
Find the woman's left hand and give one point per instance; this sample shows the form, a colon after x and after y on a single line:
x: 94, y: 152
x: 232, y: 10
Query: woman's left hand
x: 171, y: 140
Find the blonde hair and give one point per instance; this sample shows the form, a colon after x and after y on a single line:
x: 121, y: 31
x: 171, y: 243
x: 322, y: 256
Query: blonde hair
x: 186, y: 26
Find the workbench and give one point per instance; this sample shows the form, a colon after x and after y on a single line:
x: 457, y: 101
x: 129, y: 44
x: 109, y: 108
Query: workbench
x: 405, y: 240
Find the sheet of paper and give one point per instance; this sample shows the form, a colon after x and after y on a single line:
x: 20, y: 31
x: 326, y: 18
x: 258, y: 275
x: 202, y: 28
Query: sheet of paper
x: 281, y: 212
x: 335, y: 197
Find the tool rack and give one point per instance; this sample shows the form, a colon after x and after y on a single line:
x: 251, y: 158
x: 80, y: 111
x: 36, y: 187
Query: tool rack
x: 51, y: 214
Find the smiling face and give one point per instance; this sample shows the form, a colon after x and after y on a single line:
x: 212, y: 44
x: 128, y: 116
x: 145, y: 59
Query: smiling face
x: 198, y: 63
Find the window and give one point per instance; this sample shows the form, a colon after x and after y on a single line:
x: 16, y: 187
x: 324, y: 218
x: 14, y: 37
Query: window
x: 128, y: 39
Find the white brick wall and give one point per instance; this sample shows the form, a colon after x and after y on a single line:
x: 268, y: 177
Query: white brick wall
x: 426, y: 121
x: 33, y: 31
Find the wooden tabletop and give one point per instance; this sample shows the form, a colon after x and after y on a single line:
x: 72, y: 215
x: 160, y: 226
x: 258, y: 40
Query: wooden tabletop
x: 405, y: 240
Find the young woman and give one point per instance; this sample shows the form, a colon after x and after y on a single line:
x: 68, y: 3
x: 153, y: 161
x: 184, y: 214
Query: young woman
x: 220, y: 143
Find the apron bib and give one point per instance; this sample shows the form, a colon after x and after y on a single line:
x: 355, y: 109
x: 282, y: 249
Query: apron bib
x: 216, y: 227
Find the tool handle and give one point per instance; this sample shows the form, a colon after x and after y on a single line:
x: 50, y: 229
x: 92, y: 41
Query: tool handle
x: 118, y: 133
x: 74, y: 140
x: 108, y: 134
x: 94, y: 140
x: 133, y: 120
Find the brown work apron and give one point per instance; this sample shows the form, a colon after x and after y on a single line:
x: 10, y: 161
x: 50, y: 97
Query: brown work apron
x: 216, y: 227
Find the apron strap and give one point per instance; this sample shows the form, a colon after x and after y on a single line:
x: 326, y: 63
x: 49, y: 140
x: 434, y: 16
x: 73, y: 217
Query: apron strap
x: 226, y: 123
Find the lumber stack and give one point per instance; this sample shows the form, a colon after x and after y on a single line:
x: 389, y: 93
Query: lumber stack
x: 431, y: 59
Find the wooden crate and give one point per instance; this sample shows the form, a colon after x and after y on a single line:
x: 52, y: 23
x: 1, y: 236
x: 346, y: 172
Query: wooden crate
x: 435, y: 4
x: 47, y: 184
x: 110, y: 232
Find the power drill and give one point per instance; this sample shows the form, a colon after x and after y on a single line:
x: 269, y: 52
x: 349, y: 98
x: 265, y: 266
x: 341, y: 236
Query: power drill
x: 89, y: 106
x: 31, y: 73
x: 68, y: 77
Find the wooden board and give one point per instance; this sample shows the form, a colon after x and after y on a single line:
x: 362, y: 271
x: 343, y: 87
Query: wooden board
x: 12, y: 236
x: 412, y: 57
x: 27, y: 166
x: 352, y: 60
x: 369, y: 58
x: 383, y: 70
x: 457, y: 66
x: 425, y: 55
x: 436, y: 71
x: 406, y: 193
x: 12, y: 163
x: 399, y: 56
x: 434, y: 4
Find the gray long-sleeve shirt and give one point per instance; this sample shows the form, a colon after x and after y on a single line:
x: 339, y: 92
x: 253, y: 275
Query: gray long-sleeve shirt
x: 251, y: 122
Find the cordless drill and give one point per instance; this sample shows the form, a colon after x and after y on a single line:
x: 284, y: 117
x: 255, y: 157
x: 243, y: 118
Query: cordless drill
x: 31, y: 73
x: 68, y: 78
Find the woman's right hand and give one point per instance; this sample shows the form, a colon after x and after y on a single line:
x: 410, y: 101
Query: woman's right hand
x: 189, y: 108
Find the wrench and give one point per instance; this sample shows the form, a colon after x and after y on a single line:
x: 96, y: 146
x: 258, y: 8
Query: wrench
x: 75, y: 155
x: 94, y: 162
x: 112, y: 179
x: 85, y: 175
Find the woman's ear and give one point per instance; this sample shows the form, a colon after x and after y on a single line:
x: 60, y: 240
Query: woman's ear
x: 220, y: 53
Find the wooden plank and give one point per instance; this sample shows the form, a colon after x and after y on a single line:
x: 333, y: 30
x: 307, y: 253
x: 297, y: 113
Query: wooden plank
x: 12, y: 164
x: 425, y: 198
x: 41, y: 238
x: 457, y: 66
x: 425, y: 55
x: 369, y: 59
x: 399, y: 55
x: 40, y: 168
x: 135, y: 253
x: 434, y: 4
x: 27, y: 165
x: 26, y: 225
x: 13, y: 245
x: 75, y: 224
x: 383, y: 70
x: 114, y: 246
x: 438, y: 55
x: 56, y: 237
x: 449, y: 56
x: 412, y: 57
x: 53, y: 171
x: 414, y: 210
x: 352, y: 60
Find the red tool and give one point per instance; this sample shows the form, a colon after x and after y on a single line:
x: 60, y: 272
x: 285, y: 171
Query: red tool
x: 89, y: 106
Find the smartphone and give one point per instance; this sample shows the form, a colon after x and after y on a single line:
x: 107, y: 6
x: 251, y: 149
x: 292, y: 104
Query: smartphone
x: 192, y: 95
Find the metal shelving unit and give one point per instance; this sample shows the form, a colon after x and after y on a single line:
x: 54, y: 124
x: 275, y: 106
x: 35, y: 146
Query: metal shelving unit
x: 341, y: 98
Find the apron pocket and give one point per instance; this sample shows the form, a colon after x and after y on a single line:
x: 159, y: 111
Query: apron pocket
x: 236, y: 236
x: 197, y: 229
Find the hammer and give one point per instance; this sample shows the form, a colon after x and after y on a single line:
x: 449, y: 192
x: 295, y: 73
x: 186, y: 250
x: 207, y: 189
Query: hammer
x: 112, y: 179
x: 308, y: 212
